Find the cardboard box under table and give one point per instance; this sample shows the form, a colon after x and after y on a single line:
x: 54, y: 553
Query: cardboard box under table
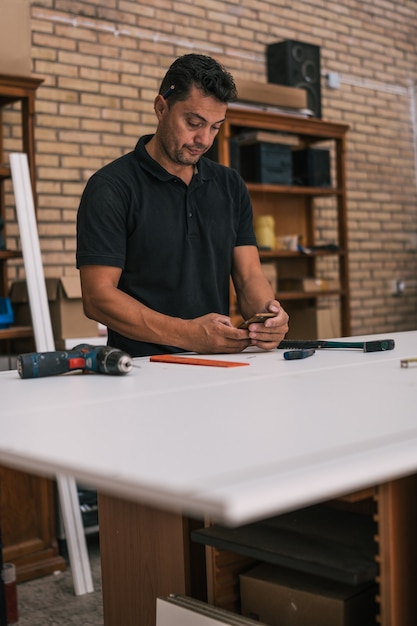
x: 283, y: 597
x: 65, y: 306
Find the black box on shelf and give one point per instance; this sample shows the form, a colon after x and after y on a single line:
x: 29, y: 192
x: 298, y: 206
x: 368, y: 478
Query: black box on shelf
x: 311, y: 167
x: 265, y: 162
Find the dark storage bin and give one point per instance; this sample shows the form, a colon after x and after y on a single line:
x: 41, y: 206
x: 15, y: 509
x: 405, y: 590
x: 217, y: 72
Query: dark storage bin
x: 311, y: 167
x: 265, y: 162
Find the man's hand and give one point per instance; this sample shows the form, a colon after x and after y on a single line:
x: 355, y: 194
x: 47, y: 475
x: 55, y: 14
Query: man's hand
x: 269, y: 334
x: 214, y: 333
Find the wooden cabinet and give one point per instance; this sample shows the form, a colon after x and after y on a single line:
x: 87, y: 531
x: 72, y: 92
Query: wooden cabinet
x: 16, y: 93
x: 27, y: 503
x: 391, y: 509
x: 310, y: 231
x: 28, y: 523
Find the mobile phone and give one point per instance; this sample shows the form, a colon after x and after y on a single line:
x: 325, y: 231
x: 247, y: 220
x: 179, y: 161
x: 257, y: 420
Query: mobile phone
x: 258, y: 318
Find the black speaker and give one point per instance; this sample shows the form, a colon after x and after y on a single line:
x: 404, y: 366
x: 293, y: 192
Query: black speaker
x: 296, y: 64
x: 311, y: 167
x: 264, y: 162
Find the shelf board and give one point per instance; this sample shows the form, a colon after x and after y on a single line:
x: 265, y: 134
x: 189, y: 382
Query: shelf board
x: 306, y: 295
x: 10, y: 254
x: 4, y: 171
x: 358, y: 496
x: 294, y: 190
x: 316, y: 540
x: 16, y: 332
x: 279, y: 254
x: 314, y: 129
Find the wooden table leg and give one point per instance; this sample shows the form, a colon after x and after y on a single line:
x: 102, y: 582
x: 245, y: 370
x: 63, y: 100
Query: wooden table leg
x: 145, y: 553
x: 397, y: 529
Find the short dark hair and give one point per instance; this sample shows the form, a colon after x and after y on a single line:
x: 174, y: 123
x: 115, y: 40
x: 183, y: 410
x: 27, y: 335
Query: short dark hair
x: 202, y: 71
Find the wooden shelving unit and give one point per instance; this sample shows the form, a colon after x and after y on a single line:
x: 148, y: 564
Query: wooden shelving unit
x: 22, y: 90
x: 391, y: 507
x: 295, y: 207
x: 27, y: 503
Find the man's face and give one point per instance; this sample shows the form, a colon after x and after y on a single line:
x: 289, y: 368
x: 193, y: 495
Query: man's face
x: 188, y: 128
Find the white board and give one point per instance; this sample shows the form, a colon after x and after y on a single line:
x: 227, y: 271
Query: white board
x: 44, y: 341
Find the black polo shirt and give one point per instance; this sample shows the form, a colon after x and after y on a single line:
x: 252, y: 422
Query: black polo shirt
x: 173, y: 242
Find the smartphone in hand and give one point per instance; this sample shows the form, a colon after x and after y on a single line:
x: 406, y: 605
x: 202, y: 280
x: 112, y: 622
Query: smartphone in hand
x: 258, y: 318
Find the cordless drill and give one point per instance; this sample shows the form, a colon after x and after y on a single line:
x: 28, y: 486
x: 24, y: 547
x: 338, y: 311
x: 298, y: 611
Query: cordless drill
x: 98, y: 359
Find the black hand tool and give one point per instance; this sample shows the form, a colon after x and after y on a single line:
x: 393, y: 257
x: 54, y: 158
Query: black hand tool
x: 377, y: 345
x: 298, y: 354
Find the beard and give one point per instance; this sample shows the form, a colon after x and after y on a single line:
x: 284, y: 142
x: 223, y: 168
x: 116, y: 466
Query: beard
x: 194, y: 154
x: 186, y: 154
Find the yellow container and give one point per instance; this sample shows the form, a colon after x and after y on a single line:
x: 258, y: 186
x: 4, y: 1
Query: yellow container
x: 265, y: 231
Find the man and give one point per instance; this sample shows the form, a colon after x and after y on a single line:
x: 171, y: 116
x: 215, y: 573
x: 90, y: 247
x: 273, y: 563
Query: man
x: 161, y: 230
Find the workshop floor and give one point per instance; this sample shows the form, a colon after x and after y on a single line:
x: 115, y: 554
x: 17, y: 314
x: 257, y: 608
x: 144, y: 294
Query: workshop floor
x: 50, y: 600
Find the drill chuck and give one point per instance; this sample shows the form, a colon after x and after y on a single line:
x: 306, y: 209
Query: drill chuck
x: 113, y: 361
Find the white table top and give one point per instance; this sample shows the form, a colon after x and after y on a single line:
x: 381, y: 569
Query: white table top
x: 237, y: 444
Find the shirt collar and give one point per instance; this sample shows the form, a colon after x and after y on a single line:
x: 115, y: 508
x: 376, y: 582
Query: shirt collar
x: 201, y: 171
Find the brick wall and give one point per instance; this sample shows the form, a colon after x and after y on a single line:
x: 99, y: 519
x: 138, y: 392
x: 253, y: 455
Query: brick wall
x: 102, y: 61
